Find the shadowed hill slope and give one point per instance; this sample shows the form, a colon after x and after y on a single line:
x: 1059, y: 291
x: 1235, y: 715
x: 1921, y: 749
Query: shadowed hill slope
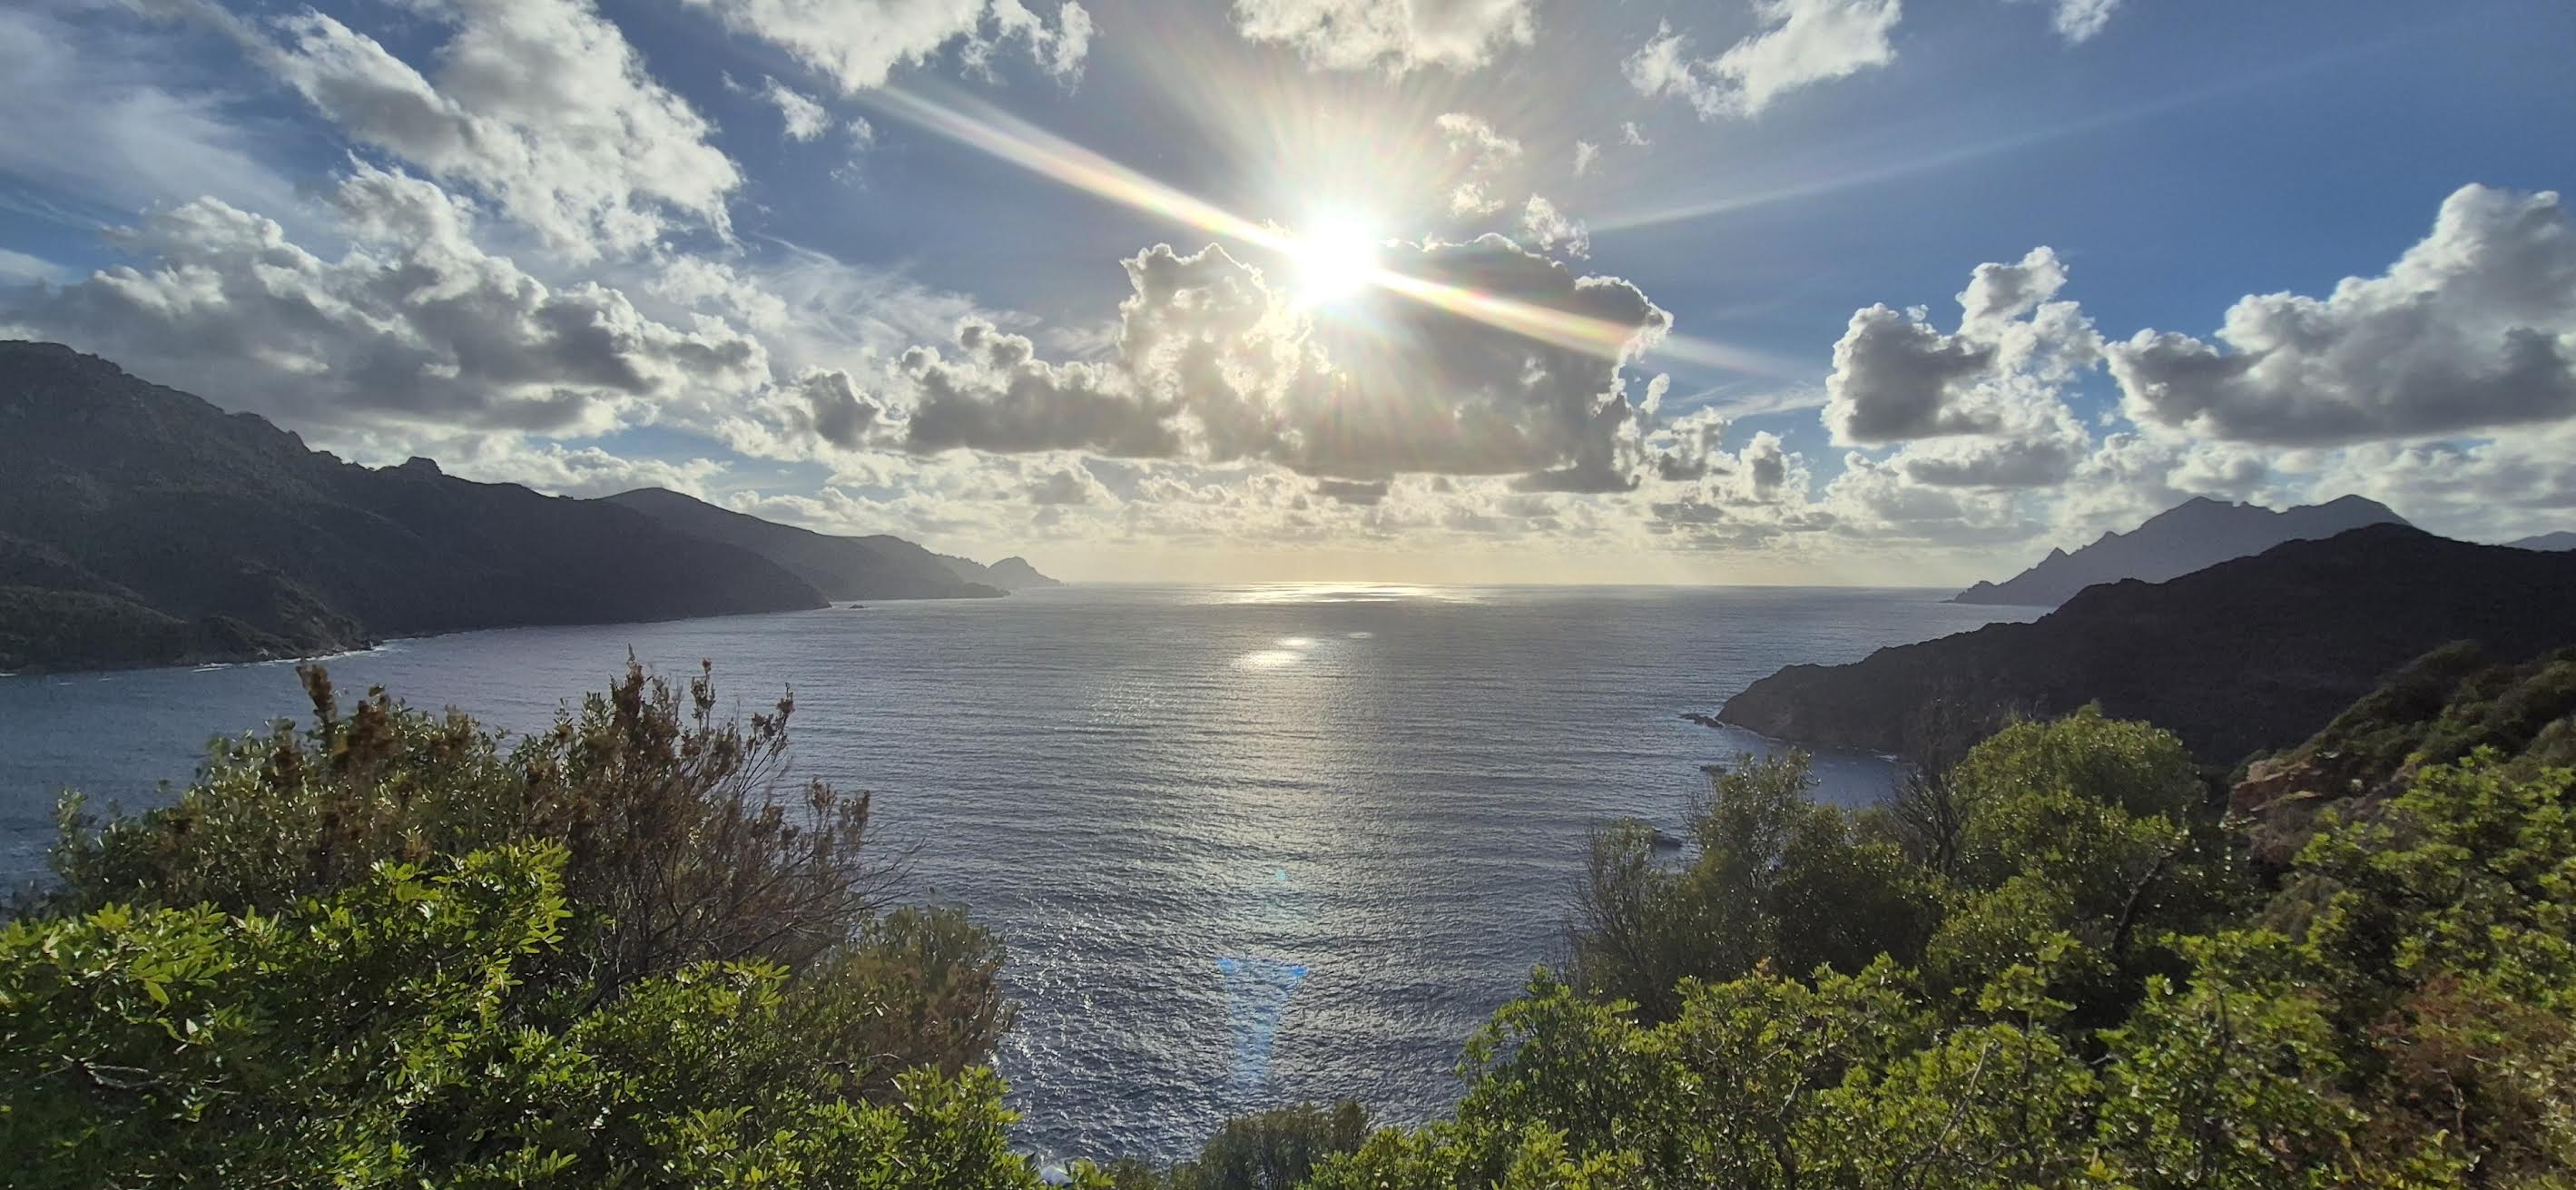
x: 2193, y: 535
x: 878, y: 567
x: 141, y: 525
x: 2250, y: 654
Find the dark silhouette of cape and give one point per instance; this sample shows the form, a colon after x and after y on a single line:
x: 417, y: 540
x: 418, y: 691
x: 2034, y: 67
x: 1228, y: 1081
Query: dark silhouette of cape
x: 2193, y: 535
x: 2250, y: 654
x: 141, y: 525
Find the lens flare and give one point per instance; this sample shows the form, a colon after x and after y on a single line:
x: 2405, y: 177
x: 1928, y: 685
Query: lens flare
x: 1020, y: 143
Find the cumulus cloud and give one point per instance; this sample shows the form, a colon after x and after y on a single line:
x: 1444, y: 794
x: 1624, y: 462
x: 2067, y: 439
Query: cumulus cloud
x: 413, y: 323
x: 1064, y: 486
x: 858, y: 43
x: 839, y: 414
x: 1898, y: 378
x: 989, y: 391
x: 1212, y: 365
x: 539, y: 105
x: 2473, y: 328
x: 1395, y: 35
x: 1800, y: 43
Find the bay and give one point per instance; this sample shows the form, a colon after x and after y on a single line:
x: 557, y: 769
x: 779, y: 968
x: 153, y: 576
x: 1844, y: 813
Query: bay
x: 1248, y: 845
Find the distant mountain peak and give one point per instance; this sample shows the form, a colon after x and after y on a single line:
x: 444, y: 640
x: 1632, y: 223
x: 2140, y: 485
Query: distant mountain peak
x: 2196, y: 534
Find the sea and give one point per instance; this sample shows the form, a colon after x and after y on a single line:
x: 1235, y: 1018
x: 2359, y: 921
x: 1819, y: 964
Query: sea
x: 1248, y: 845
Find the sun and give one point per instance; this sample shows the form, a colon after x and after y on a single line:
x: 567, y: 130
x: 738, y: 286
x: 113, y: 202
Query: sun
x: 1336, y: 258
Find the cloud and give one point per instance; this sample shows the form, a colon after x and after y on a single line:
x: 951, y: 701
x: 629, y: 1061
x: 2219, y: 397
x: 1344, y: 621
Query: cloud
x: 541, y: 106
x: 586, y: 471
x: 2474, y: 328
x: 1213, y: 366
x: 1352, y: 491
x: 1065, y: 486
x: 2078, y: 20
x: 413, y: 324
x: 1395, y: 35
x: 1585, y: 154
x: 859, y: 43
x: 1802, y: 42
x: 839, y: 414
x: 1478, y: 155
x: 805, y: 119
x: 1897, y: 378
x: 1549, y: 230
x: 91, y: 113
x: 991, y: 393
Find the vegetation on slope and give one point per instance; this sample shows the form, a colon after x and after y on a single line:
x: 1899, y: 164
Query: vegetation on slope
x: 2095, y: 990
x: 392, y: 949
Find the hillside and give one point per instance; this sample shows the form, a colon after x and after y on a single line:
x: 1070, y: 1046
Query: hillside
x: 1010, y: 574
x: 2562, y: 540
x: 2193, y: 535
x: 2249, y: 654
x: 141, y: 525
x: 2440, y: 708
x: 840, y: 567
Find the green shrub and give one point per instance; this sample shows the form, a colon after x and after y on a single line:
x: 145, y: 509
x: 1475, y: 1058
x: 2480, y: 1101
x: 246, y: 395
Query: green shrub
x: 684, y: 840
x: 381, y: 1035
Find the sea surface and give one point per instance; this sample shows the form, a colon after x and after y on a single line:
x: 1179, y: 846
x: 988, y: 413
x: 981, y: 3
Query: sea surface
x: 1248, y: 845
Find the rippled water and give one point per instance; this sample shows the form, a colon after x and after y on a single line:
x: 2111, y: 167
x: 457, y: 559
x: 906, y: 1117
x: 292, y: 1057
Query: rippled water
x: 1248, y: 845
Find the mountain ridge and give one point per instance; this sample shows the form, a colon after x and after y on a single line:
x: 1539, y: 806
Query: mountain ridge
x: 842, y: 568
x: 2193, y: 535
x: 143, y: 525
x: 2251, y: 653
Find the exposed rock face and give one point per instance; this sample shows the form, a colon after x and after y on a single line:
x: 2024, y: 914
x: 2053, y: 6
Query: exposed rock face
x: 878, y: 567
x: 140, y: 525
x: 2443, y: 706
x: 2247, y: 655
x: 2194, y: 535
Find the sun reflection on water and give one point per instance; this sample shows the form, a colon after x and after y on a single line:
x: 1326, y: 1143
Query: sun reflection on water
x: 1343, y: 593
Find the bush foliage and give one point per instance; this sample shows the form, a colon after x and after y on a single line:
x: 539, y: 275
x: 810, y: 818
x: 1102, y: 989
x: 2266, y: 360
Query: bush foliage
x: 393, y: 948
x: 2085, y: 987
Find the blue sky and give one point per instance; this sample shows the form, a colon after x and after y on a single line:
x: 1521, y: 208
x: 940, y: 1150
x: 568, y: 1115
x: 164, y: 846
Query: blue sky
x: 1205, y: 290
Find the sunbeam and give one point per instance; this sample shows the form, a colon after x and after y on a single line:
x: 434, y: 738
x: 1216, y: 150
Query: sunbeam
x: 1020, y: 143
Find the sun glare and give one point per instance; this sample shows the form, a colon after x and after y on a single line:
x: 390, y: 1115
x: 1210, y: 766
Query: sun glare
x: 1336, y: 258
